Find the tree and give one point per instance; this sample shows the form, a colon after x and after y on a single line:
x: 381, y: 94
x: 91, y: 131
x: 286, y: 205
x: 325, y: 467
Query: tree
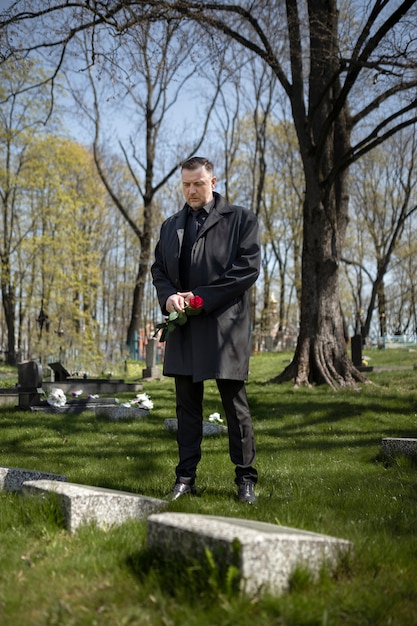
x: 21, y: 117
x: 155, y: 54
x: 384, y: 198
x: 65, y: 199
x: 350, y: 86
x: 403, y: 309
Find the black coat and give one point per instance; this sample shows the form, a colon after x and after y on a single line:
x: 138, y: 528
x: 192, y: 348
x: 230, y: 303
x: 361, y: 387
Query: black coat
x: 225, y: 263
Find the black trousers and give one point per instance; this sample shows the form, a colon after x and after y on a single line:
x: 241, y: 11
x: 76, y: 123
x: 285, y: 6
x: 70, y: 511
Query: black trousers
x: 189, y: 397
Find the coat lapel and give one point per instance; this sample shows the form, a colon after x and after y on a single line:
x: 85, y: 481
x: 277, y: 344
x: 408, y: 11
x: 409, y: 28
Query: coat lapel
x: 216, y: 214
x: 181, y: 218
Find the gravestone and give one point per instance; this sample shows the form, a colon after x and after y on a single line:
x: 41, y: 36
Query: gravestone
x: 356, y: 347
x: 209, y: 428
x: 151, y: 370
x: 84, y: 504
x: 59, y: 372
x: 266, y: 555
x: 406, y: 446
x: 12, y: 478
x: 29, y: 383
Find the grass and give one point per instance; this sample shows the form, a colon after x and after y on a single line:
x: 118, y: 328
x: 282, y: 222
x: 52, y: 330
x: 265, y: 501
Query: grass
x: 320, y: 466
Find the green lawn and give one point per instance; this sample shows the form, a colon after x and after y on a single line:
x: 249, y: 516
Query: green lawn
x: 320, y: 467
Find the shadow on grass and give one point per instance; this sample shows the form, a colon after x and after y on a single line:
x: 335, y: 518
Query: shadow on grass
x: 186, y: 577
x: 85, y: 448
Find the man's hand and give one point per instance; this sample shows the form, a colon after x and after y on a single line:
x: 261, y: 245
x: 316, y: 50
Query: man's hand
x: 175, y: 302
x: 187, y: 295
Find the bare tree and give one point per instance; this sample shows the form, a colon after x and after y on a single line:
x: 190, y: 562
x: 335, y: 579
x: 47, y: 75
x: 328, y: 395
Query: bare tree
x: 384, y: 197
x: 155, y: 55
x: 403, y: 309
x: 145, y: 62
x: 20, y: 119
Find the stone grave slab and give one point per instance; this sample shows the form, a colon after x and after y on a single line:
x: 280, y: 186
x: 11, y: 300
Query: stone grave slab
x: 268, y: 554
x: 104, y: 407
x: 12, y: 478
x: 120, y: 412
x: 83, y: 504
x: 75, y: 405
x: 210, y: 429
x: 406, y: 446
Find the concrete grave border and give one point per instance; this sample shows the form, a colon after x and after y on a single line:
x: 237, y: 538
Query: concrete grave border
x: 401, y: 445
x: 268, y: 554
x: 12, y: 478
x: 83, y: 504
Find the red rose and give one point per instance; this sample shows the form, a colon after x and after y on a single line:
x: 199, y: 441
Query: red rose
x: 175, y: 319
x: 196, y: 302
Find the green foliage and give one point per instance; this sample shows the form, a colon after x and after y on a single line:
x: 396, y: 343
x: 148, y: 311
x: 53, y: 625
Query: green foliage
x: 320, y: 469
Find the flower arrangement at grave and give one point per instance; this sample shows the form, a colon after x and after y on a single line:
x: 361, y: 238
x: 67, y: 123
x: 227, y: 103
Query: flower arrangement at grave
x: 141, y: 401
x: 176, y: 318
x: 215, y: 418
x: 56, y: 398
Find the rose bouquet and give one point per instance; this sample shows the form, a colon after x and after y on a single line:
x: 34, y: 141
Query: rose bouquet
x: 175, y: 318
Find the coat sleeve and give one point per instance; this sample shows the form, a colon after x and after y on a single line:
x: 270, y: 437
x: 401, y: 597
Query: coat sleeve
x: 160, y: 273
x: 243, y: 270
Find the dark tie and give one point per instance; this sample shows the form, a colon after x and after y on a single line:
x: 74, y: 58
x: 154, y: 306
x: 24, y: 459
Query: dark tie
x: 197, y: 219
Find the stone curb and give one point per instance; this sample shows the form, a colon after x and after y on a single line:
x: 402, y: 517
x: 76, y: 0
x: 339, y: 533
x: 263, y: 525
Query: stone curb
x: 82, y: 504
x: 12, y: 478
x: 209, y: 429
x: 268, y: 554
x: 406, y: 446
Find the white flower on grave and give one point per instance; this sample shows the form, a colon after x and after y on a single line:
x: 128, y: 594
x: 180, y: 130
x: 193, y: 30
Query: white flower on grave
x: 93, y: 396
x: 56, y: 397
x: 142, y: 401
x: 77, y: 393
x: 215, y: 418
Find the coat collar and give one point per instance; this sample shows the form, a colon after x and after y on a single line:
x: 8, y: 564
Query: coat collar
x: 220, y: 208
x: 216, y: 214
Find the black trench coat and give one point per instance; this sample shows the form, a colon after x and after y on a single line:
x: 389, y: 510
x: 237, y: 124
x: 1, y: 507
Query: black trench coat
x: 225, y: 262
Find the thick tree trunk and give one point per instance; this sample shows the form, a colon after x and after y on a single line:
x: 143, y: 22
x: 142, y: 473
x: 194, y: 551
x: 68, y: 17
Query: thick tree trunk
x: 324, y: 139
x: 321, y: 352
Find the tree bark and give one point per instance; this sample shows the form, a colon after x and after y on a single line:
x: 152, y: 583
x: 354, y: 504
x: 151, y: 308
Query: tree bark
x: 321, y: 355
x: 9, y: 308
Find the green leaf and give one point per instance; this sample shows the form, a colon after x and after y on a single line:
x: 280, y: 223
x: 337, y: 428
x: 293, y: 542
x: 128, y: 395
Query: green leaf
x: 182, y: 318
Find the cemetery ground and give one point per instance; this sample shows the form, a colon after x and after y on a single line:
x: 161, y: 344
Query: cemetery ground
x: 320, y: 467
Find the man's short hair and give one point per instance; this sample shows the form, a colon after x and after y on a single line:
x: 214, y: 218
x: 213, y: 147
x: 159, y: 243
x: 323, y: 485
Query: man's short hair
x: 196, y: 162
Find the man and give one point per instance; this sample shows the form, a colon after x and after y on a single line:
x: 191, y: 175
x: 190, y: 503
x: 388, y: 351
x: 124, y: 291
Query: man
x: 209, y: 249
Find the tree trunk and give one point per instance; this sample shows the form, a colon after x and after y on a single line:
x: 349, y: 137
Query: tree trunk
x: 9, y: 302
x: 321, y: 355
x: 324, y: 139
x: 136, y: 319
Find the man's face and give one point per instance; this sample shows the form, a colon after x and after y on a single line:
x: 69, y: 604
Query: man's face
x: 198, y: 187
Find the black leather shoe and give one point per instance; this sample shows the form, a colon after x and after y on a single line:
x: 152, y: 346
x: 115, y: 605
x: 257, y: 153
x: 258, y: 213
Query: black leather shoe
x: 182, y: 489
x: 246, y: 492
